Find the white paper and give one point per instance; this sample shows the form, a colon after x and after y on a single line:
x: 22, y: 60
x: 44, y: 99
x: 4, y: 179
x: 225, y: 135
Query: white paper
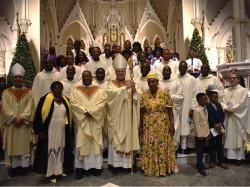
x: 214, y: 132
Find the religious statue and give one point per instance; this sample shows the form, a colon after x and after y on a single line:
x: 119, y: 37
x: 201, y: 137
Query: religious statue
x: 230, y: 51
x: 113, y: 33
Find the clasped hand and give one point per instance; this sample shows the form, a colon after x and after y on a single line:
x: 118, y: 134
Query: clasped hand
x: 131, y: 84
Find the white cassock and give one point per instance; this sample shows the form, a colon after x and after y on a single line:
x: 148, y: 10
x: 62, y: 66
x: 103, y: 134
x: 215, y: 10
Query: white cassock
x: 123, y: 135
x: 236, y: 126
x: 135, y: 59
x: 93, y: 65
x: 109, y: 61
x: 68, y: 86
x: 194, y: 64
x: 42, y: 83
x: 137, y: 71
x: 172, y: 64
x: 141, y: 85
x: 78, y: 75
x: 88, y: 130
x: 175, y: 89
x: 74, y: 52
x: 189, y: 85
x: 104, y: 86
x: 211, y: 82
x: 111, y: 74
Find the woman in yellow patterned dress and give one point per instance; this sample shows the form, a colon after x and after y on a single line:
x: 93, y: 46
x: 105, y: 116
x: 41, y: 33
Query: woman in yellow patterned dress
x: 157, y: 148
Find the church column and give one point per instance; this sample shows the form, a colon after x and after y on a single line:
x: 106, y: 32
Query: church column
x: 197, y: 20
x: 239, y: 29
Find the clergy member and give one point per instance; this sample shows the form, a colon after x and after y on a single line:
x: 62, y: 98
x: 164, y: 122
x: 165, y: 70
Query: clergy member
x: 70, y: 81
x: 43, y: 80
x: 88, y: 104
x: 236, y: 105
x: 17, y: 114
x: 167, y: 60
x: 207, y: 81
x: 142, y: 83
x: 123, y: 124
x: 96, y: 62
x: 71, y: 62
x: 190, y: 91
x: 175, y: 89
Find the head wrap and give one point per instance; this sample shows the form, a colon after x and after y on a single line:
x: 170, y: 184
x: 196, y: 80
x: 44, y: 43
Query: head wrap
x: 120, y: 62
x: 17, y: 69
x: 152, y: 76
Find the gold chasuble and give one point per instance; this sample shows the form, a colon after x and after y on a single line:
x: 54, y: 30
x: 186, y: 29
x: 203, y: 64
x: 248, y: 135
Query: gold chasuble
x: 91, y: 99
x: 17, y: 102
x: 122, y: 130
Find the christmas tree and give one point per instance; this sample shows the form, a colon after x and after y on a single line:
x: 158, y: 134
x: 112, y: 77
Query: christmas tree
x: 23, y: 56
x: 197, y: 46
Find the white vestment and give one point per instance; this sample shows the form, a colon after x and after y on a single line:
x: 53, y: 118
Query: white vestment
x: 109, y: 61
x: 236, y: 125
x: 111, y: 74
x: 175, y: 89
x: 123, y: 135
x: 141, y: 84
x: 172, y: 64
x: 88, y: 130
x: 194, y: 64
x: 42, y: 83
x: 104, y: 86
x: 68, y: 86
x: 78, y: 75
x: 210, y: 82
x: 190, y: 91
x: 93, y: 65
x: 137, y: 71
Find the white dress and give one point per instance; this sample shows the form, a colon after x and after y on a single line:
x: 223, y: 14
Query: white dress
x: 56, y: 141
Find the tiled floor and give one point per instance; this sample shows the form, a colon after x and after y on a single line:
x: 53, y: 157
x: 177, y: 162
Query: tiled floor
x: 235, y: 176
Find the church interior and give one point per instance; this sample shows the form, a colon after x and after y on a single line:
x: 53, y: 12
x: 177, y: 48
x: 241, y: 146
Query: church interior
x: 223, y: 25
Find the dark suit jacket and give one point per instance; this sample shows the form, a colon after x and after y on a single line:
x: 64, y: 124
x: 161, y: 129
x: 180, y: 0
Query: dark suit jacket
x: 214, y: 116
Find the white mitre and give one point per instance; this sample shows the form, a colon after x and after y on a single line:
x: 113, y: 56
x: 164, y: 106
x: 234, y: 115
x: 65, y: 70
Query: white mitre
x: 120, y: 62
x: 17, y: 69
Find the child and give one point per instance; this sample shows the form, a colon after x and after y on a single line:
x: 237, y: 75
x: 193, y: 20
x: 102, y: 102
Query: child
x: 215, y: 119
x: 202, y: 133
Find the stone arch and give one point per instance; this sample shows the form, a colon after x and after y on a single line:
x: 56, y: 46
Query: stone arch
x: 50, y: 29
x: 70, y: 43
x: 157, y: 40
x: 150, y: 29
x: 145, y: 43
x: 76, y: 31
x: 82, y: 44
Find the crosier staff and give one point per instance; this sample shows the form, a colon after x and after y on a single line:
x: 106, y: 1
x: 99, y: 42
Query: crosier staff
x: 130, y: 63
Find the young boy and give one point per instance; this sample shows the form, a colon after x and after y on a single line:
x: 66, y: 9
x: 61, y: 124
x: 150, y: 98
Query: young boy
x: 215, y: 119
x: 202, y: 133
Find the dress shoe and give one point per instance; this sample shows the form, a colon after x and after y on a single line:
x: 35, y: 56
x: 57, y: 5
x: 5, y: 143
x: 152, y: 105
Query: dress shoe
x: 237, y: 162
x: 211, y: 165
x: 24, y: 171
x: 222, y: 165
x: 79, y: 174
x: 202, y: 172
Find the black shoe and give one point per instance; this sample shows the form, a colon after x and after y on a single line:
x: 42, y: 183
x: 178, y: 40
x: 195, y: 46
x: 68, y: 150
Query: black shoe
x: 24, y: 171
x: 185, y: 151
x: 12, y: 172
x: 79, y: 174
x: 237, y: 162
x: 96, y: 172
x: 202, y: 172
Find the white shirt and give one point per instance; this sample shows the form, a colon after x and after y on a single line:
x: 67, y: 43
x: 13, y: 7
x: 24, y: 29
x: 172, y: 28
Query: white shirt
x: 194, y: 64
